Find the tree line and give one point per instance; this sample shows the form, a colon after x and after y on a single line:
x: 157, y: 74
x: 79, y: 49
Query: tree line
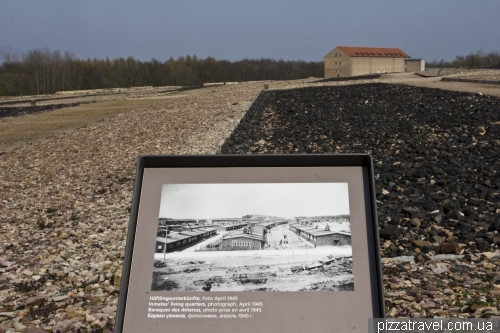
x: 41, y: 71
x: 473, y: 60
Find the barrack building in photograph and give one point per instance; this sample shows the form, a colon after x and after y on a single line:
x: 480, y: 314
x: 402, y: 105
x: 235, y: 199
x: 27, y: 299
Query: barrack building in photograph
x: 321, y: 236
x: 176, y: 241
x: 245, y: 239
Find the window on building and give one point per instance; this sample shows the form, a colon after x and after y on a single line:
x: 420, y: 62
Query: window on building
x: 339, y: 62
x: 241, y: 243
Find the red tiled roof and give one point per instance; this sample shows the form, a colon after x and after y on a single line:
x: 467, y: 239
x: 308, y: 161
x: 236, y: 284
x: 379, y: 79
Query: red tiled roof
x: 355, y: 51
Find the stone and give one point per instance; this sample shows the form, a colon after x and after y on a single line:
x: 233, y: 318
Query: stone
x: 392, y: 312
x: 58, y: 298
x: 421, y: 258
x: 389, y: 231
x: 420, y: 243
x: 431, y: 287
x: 64, y: 325
x: 461, y: 268
x: 51, y: 210
x: 34, y: 300
x: 440, y: 268
x: 491, y: 255
x: 449, y: 248
x: 438, y: 218
x: 417, y: 307
x: 486, y: 310
x: 394, y: 293
x: 109, y: 310
x: 33, y: 330
x: 18, y: 326
x: 117, y: 278
x: 416, y: 222
x: 428, y: 305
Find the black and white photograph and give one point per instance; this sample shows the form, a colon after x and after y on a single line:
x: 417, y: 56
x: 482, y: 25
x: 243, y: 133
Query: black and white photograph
x: 254, y: 237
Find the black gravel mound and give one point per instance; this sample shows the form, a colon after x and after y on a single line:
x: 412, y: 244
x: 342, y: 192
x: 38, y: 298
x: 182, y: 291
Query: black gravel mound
x: 15, y: 111
x: 436, y: 154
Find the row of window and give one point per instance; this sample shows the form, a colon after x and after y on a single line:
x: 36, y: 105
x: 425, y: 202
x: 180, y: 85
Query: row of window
x: 241, y: 243
x: 374, y: 62
x: 337, y: 55
x: 337, y: 62
x: 379, y: 70
x: 336, y: 70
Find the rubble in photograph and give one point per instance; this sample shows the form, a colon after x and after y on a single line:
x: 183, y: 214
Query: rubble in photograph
x: 436, y: 156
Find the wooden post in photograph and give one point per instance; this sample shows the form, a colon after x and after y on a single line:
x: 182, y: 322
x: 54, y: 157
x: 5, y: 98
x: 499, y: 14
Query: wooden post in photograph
x: 165, y: 248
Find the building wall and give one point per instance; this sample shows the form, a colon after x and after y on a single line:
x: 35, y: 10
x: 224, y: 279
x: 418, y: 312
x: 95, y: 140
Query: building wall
x: 337, y: 64
x: 377, y: 65
x: 229, y: 244
x: 415, y: 66
x: 334, y: 239
x: 184, y: 242
x: 228, y: 227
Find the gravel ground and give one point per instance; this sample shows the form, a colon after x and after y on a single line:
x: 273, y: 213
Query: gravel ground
x: 486, y: 75
x: 459, y: 287
x: 65, y: 201
x: 461, y: 73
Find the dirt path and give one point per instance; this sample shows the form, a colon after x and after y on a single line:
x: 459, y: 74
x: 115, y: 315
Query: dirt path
x: 412, y: 79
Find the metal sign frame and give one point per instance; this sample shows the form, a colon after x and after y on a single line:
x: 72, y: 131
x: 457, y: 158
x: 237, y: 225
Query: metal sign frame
x: 253, y: 162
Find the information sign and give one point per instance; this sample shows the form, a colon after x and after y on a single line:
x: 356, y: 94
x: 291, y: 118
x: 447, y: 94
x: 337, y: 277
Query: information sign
x: 252, y: 243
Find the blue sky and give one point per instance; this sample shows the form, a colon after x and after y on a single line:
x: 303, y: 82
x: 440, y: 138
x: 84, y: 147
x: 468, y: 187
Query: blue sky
x: 234, y: 30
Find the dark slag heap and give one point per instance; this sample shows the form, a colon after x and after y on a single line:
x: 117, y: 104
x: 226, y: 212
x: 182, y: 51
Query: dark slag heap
x: 436, y: 155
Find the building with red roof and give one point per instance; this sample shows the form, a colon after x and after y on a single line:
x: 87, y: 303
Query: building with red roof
x: 345, y: 61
